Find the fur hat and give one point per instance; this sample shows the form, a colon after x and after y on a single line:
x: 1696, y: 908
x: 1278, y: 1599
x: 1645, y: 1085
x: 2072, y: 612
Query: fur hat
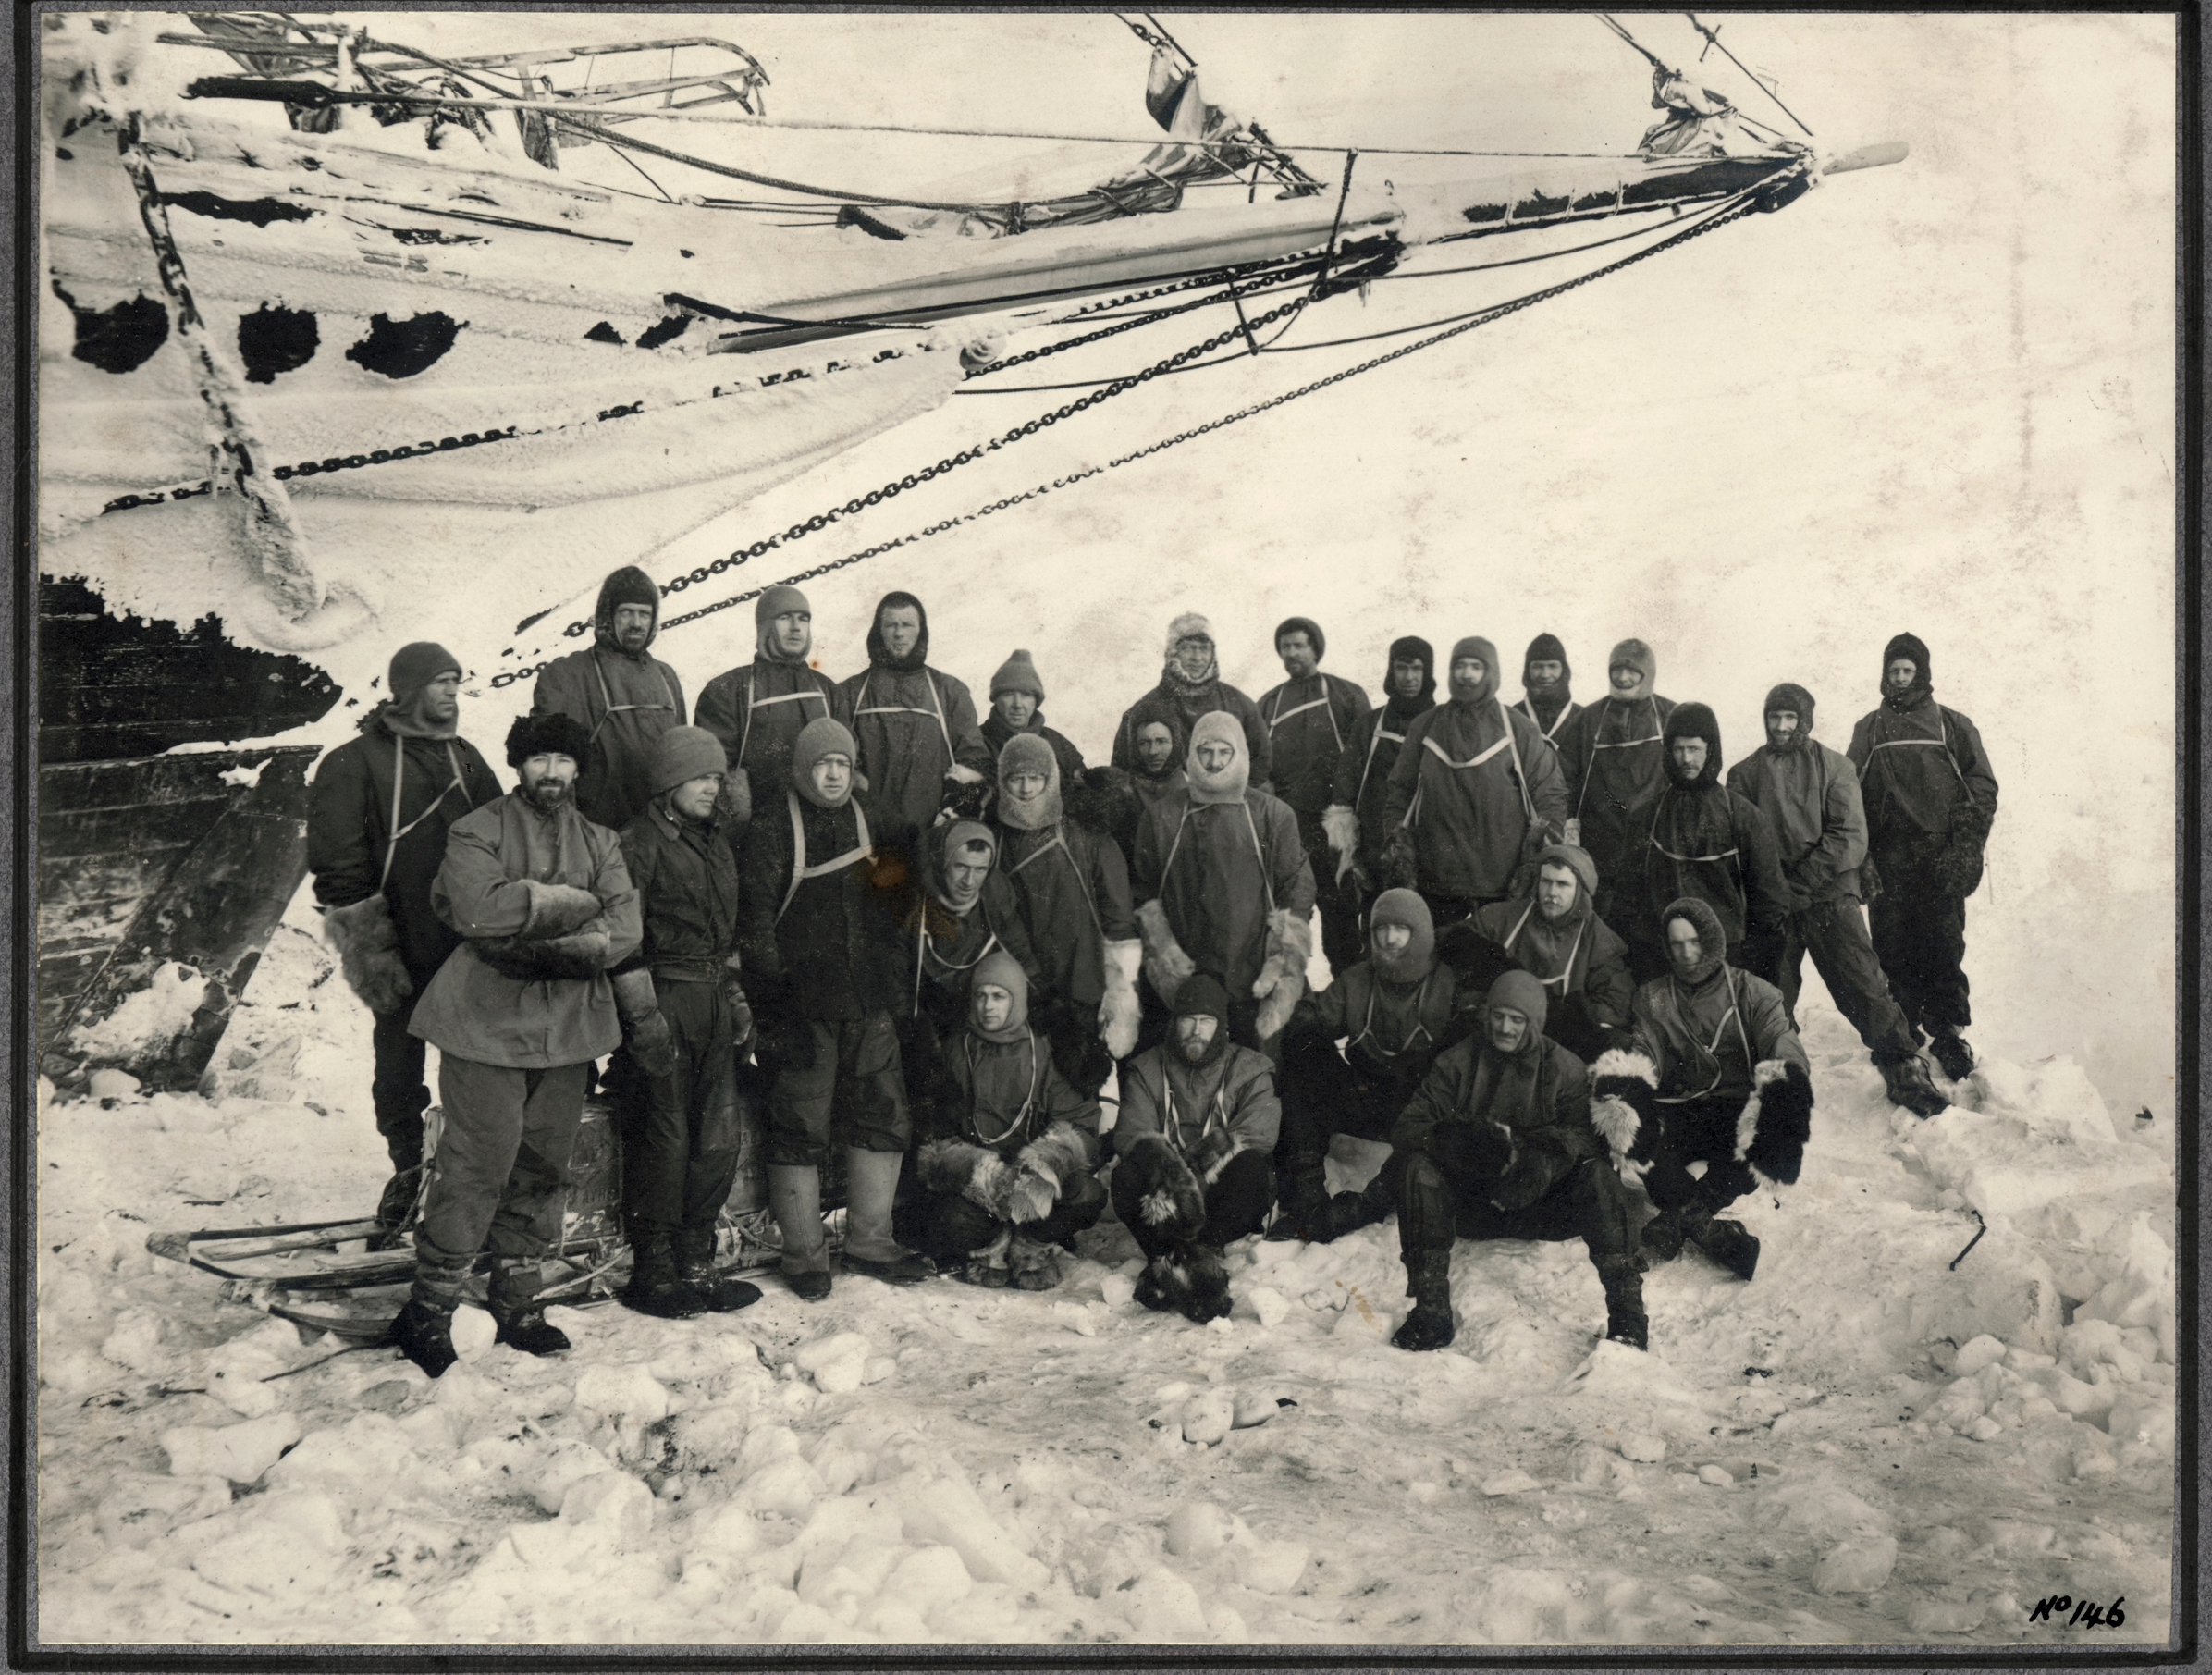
x: 553, y: 734
x: 1713, y: 941
x: 825, y: 736
x: 1202, y: 995
x: 1694, y: 722
x: 1309, y: 628
x: 1019, y: 673
x: 683, y: 753
x: 1790, y: 695
x: 628, y: 585
x: 1635, y: 655
x: 1190, y: 625
x: 415, y: 666
x: 1907, y: 645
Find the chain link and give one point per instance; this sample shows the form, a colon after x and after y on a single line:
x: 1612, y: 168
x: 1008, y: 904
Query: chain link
x: 1720, y: 219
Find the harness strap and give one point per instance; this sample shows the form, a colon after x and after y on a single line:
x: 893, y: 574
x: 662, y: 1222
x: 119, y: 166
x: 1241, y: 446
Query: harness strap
x: 1419, y: 1029
x: 1029, y: 1097
x: 610, y: 709
x: 938, y: 714
x: 391, y: 846
x: 1058, y: 841
x: 1368, y: 767
x: 1735, y: 1013
x: 1552, y: 732
x: 1283, y: 715
x: 800, y: 870
x: 1508, y: 742
x: 744, y: 733
x: 1567, y: 971
x: 1598, y: 744
x: 1266, y: 883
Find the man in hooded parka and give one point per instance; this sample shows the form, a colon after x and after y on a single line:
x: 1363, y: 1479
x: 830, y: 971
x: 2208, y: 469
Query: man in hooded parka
x: 1224, y: 888
x: 373, y: 878
x: 915, y: 726
x: 543, y: 904
x: 1547, y: 687
x: 1554, y: 933
x: 1712, y: 1074
x: 1391, y: 1013
x: 625, y: 697
x: 1811, y: 795
x: 1072, y: 887
x: 1354, y: 819
x: 1931, y: 799
x: 1702, y: 839
x: 955, y: 912
x: 824, y: 968
x: 1194, y: 1147
x: 1613, y: 753
x: 1007, y: 1155
x: 1311, y: 717
x: 1474, y: 794
x: 1190, y: 687
x: 759, y: 708
x: 1497, y: 1143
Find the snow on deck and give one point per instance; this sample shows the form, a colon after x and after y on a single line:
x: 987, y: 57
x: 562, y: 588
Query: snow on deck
x: 1860, y: 1446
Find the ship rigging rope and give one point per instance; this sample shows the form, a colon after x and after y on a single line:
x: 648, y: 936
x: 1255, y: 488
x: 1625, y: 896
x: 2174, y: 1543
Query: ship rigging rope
x: 1722, y: 218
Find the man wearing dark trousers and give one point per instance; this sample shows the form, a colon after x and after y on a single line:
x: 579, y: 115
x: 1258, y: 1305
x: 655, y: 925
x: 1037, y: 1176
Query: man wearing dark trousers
x: 375, y: 836
x: 1311, y: 719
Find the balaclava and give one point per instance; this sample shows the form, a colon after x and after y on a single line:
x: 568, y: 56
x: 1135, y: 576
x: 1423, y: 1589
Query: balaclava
x: 1002, y: 969
x: 1692, y: 722
x: 628, y: 585
x: 879, y: 653
x: 1474, y: 645
x: 1791, y: 696
x: 825, y: 736
x: 1191, y: 625
x: 413, y: 668
x: 1202, y: 995
x: 1548, y: 702
x: 1638, y: 656
x: 1923, y: 683
x: 1228, y: 785
x: 1403, y: 907
x: 1028, y: 753
x: 1522, y: 992
x: 779, y: 601
x: 945, y: 843
x: 1412, y: 647
x: 1712, y: 942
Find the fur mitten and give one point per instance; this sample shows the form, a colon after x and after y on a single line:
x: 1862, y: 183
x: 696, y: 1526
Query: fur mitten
x: 1340, y: 825
x: 1777, y: 1122
x: 1165, y: 965
x: 1957, y: 870
x: 1623, y: 1104
x: 1060, y: 1154
x: 951, y: 1166
x: 368, y: 952
x: 580, y: 954
x: 557, y: 909
x: 1190, y: 1279
x: 1401, y: 864
x: 1120, y: 1011
x: 1170, y: 1201
x: 1281, y: 978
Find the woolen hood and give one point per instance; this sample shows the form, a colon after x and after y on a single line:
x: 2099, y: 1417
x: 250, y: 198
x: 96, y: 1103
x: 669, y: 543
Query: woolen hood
x: 1474, y: 645
x: 781, y: 601
x: 1525, y: 995
x: 1229, y: 784
x: 1693, y: 722
x: 1403, y: 907
x: 1637, y: 656
x: 1713, y: 941
x: 879, y: 653
x: 825, y: 736
x: 1001, y: 968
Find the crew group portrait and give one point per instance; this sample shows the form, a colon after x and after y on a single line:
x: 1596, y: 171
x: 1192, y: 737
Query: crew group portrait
x: 908, y: 939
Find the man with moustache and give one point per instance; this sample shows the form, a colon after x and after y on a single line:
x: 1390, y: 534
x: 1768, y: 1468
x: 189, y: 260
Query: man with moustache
x: 624, y: 695
x: 1554, y: 934
x: 1546, y: 697
x: 914, y: 726
x: 758, y: 709
x: 1310, y: 717
x: 1705, y: 841
x: 1191, y: 689
x: 1612, y: 754
x: 377, y: 829
x: 1811, y: 795
x: 542, y: 900
x: 1354, y: 819
x: 1474, y: 794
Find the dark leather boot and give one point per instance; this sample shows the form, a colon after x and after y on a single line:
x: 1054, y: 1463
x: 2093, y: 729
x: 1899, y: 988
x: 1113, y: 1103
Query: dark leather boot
x: 694, y: 1263
x: 654, y: 1288
x: 1429, y: 1283
x: 1302, y: 1199
x: 396, y: 1207
x: 1624, y: 1321
x: 424, y: 1333
x: 1731, y: 1244
x: 1664, y: 1233
x: 523, y: 1324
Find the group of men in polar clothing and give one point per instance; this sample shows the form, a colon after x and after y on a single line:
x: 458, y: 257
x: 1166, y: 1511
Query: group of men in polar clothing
x: 1565, y: 955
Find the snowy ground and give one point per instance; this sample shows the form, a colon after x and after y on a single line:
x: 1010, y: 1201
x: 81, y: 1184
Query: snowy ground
x: 1862, y: 1446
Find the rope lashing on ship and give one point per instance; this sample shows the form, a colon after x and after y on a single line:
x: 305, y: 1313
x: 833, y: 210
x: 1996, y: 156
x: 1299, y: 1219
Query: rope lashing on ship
x: 1748, y: 206
x: 1713, y: 40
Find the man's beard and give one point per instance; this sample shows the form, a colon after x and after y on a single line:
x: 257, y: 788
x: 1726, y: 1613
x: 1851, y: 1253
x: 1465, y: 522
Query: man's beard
x: 549, y: 794
x: 1194, y: 1055
x: 1555, y: 915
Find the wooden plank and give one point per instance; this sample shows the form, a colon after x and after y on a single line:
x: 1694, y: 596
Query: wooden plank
x: 126, y: 781
x: 122, y: 828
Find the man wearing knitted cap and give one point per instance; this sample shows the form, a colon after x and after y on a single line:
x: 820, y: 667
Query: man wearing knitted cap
x: 953, y: 912
x: 1811, y: 795
x: 914, y: 725
x: 1193, y: 1147
x: 823, y: 966
x: 1546, y: 687
x: 1354, y: 819
x: 1191, y: 687
x: 372, y: 877
x: 1017, y: 697
x: 1311, y: 719
x: 1497, y: 1143
x: 1553, y: 932
x: 1225, y: 887
x: 1614, y: 753
x: 1712, y: 1074
x: 1392, y: 1012
x: 542, y: 903
x: 1073, y: 887
x: 683, y: 1119
x: 624, y: 695
x: 1007, y: 1164
x: 757, y: 709
x: 1931, y: 799
x: 1474, y: 794
x: 1703, y: 840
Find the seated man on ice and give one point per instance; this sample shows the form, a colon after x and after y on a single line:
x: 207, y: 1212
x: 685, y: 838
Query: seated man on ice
x: 1194, y: 1148
x: 1497, y: 1143
x: 1551, y: 931
x: 1712, y: 1074
x: 1009, y: 1155
x: 1393, y: 1012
